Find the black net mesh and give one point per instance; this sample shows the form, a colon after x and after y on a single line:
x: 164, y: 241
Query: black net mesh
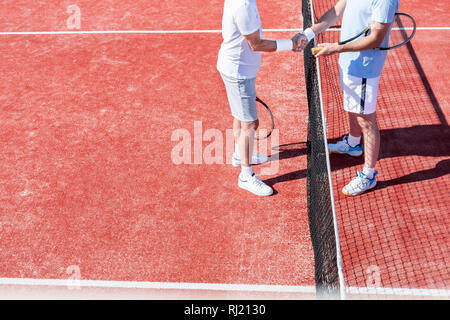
x: 319, y: 197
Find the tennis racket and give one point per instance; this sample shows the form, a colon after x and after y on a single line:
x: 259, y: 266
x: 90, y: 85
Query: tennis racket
x: 403, y: 30
x: 266, y: 121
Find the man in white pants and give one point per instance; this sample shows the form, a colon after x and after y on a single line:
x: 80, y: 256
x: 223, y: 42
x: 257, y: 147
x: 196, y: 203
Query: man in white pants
x: 238, y: 63
x: 360, y: 69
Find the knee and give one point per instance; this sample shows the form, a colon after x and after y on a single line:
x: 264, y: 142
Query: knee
x: 368, y: 122
x: 253, y: 125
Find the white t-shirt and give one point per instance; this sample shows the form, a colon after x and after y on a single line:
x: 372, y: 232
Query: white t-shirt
x: 236, y: 58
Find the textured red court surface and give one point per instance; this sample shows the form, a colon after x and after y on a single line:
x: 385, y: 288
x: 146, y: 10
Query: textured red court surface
x: 86, y: 172
x: 87, y: 179
x: 27, y: 15
x: 397, y: 235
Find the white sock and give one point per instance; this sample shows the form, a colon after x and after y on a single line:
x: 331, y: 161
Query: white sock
x: 246, y: 171
x: 236, y: 151
x: 353, y: 141
x: 369, y: 172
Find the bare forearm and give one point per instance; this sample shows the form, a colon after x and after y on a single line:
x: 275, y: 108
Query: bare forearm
x: 258, y: 44
x: 264, y: 46
x: 363, y: 44
x: 372, y: 41
x: 326, y: 21
x: 330, y: 17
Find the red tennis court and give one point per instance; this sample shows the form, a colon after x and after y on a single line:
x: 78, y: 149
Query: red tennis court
x: 91, y: 195
x: 394, y: 240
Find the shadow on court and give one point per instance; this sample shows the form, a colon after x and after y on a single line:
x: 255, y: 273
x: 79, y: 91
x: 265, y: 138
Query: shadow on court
x: 423, y: 140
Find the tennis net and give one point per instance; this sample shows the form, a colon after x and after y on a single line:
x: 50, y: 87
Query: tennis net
x: 321, y: 213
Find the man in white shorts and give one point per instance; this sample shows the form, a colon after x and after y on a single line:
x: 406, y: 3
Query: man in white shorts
x: 238, y: 63
x: 360, y: 69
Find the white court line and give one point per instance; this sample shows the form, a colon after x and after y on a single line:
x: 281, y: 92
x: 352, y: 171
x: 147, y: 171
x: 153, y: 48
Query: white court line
x: 130, y: 32
x: 157, y: 285
x: 418, y: 28
x: 399, y: 292
x: 167, y: 31
x: 216, y: 287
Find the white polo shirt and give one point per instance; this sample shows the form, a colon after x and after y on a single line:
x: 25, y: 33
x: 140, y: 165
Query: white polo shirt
x: 236, y: 58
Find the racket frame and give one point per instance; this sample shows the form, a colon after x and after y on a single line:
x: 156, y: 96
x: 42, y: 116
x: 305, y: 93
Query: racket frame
x: 258, y: 100
x: 413, y: 33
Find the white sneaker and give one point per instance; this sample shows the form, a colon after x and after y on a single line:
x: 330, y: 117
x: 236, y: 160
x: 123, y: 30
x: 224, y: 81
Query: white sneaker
x: 254, y: 185
x: 360, y: 184
x: 256, y: 159
x: 342, y: 147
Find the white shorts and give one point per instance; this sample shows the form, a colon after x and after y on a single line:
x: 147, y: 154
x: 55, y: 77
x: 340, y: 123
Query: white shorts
x: 242, y: 98
x: 360, y: 94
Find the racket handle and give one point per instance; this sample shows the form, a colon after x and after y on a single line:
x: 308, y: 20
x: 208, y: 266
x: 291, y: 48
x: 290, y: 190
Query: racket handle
x: 316, y: 50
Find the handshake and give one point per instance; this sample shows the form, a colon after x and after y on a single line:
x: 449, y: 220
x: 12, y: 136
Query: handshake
x: 300, y: 41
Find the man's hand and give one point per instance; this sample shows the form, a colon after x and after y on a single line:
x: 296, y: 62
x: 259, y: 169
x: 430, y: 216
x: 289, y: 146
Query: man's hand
x: 328, y: 49
x: 300, y: 42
